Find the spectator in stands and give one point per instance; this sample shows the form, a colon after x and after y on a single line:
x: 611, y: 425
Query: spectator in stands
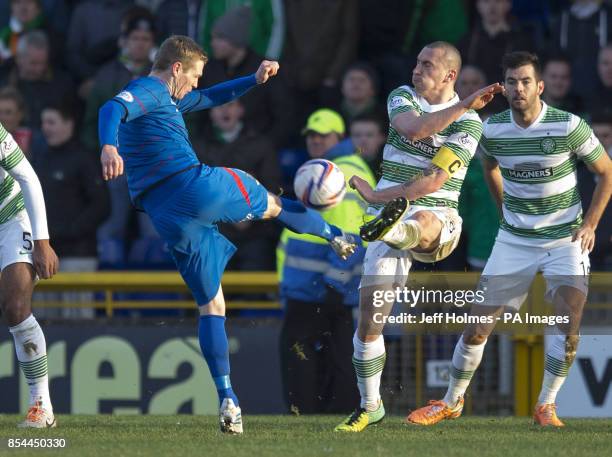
x: 134, y: 60
x: 368, y: 133
x: 12, y: 113
x: 472, y: 78
x: 436, y: 20
x: 26, y: 15
x: 268, y: 109
x: 600, y: 99
x: 179, y: 17
x: 56, y: 12
x: 314, y: 61
x: 136, y: 44
x: 360, y: 85
x: 94, y: 28
x: 319, y: 291
x: 233, y: 143
x: 534, y: 15
x: 32, y: 74
x: 492, y: 37
x: 75, y: 196
x: 581, y: 31
x: 267, y: 26
x: 557, y: 76
x: 601, y: 256
x: 383, y: 29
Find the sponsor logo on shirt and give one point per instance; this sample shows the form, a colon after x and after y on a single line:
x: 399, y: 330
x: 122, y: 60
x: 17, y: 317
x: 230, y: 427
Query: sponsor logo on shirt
x: 398, y: 101
x: 527, y: 174
x: 127, y: 96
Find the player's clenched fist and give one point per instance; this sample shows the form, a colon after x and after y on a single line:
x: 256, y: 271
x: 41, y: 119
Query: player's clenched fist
x: 266, y: 70
x: 112, y: 163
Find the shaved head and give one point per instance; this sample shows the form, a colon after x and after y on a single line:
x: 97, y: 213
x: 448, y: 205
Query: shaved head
x: 451, y: 55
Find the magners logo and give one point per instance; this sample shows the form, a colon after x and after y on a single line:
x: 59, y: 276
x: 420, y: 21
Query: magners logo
x: 421, y: 146
x: 529, y: 174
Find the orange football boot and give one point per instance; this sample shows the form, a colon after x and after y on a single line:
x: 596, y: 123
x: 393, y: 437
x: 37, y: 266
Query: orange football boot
x: 546, y: 415
x: 434, y: 412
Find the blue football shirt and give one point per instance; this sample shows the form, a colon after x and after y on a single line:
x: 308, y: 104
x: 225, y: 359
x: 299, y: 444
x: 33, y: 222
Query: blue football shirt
x: 152, y: 137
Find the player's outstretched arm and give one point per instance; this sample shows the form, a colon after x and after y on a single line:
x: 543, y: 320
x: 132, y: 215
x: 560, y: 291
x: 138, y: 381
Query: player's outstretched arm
x: 227, y: 91
x: 415, y: 127
x: 602, y: 167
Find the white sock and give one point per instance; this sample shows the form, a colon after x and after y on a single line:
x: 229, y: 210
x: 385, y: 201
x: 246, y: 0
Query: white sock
x: 466, y: 359
x: 555, y: 370
x: 31, y: 350
x: 405, y: 235
x: 369, y: 361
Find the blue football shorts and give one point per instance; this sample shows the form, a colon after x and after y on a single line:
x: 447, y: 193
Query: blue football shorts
x: 185, y: 210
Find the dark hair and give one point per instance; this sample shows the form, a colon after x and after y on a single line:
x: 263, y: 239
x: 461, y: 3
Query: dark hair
x: 516, y: 59
x: 366, y: 68
x: 137, y: 18
x: 178, y: 48
x: 370, y: 117
x: 67, y: 108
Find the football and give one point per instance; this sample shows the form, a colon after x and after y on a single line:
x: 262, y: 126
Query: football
x: 319, y: 184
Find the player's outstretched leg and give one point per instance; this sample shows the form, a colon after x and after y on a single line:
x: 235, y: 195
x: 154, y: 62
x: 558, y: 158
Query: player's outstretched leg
x: 16, y: 286
x: 300, y: 219
x: 466, y: 359
x: 389, y: 227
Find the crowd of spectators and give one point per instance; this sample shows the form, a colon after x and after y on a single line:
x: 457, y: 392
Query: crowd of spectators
x: 60, y: 60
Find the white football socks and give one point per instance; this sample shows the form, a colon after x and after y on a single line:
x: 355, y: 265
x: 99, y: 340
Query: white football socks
x: 369, y: 361
x: 466, y: 359
x: 31, y: 350
x: 555, y: 370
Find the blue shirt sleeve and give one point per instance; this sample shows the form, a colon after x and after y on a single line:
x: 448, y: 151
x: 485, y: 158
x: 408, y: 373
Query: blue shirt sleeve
x: 109, y: 118
x: 216, y: 95
x: 139, y: 98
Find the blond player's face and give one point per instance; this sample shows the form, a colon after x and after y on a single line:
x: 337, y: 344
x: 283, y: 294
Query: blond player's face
x: 187, y: 79
x: 430, y: 71
x: 523, y: 89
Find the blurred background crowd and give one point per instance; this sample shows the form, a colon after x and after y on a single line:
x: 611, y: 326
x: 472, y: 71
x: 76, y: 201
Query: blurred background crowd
x: 60, y: 60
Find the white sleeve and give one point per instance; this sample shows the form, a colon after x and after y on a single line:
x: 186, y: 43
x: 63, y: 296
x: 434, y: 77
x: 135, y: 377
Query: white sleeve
x: 33, y: 197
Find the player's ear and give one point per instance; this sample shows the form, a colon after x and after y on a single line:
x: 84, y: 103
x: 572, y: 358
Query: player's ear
x: 177, y: 68
x: 540, y: 86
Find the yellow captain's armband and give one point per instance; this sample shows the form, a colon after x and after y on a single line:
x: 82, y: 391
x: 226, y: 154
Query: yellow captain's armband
x: 447, y: 160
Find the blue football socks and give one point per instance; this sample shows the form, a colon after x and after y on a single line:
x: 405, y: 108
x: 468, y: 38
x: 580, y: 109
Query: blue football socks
x: 300, y: 219
x: 213, y: 342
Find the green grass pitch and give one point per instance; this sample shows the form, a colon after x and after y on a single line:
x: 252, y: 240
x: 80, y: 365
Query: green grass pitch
x: 179, y: 436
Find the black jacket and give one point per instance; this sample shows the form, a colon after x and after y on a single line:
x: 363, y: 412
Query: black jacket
x: 76, y: 198
x: 267, y: 108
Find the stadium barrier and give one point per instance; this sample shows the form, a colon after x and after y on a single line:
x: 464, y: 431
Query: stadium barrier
x: 409, y: 356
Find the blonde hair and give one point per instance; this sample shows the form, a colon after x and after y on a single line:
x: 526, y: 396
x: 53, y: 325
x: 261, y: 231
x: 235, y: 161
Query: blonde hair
x: 178, y: 48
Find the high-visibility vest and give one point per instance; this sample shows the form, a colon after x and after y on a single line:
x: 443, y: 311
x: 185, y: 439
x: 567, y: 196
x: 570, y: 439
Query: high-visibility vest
x: 307, y: 265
